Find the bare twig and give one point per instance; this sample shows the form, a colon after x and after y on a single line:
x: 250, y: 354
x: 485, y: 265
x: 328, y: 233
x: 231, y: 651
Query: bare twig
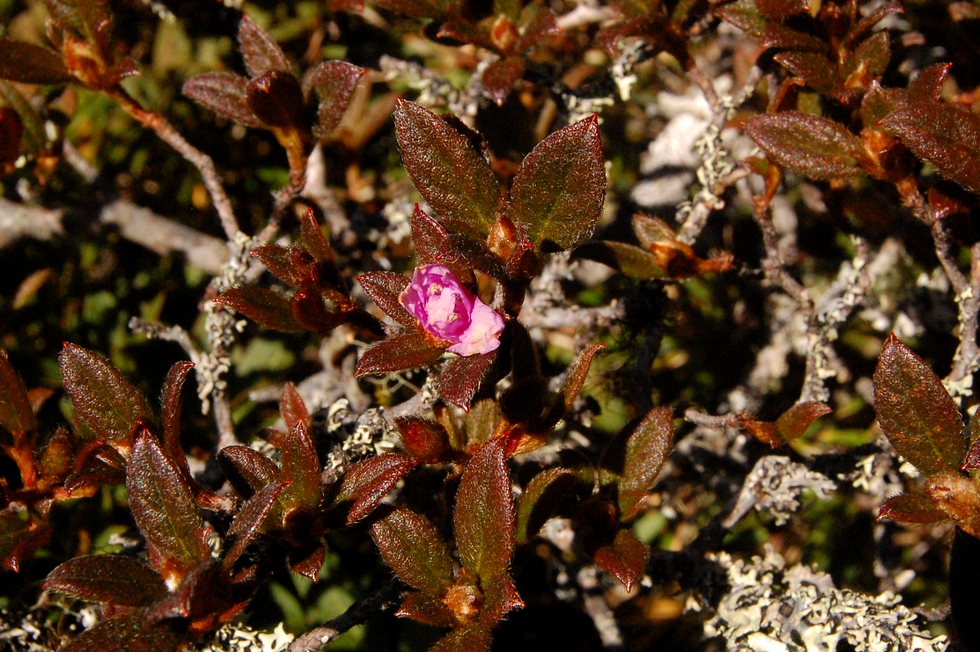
x: 316, y: 639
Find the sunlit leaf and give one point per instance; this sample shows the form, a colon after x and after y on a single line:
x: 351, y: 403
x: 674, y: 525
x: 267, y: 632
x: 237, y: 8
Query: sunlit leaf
x: 646, y: 453
x: 483, y: 520
x: 385, y: 289
x: 540, y: 500
x: 300, y: 464
x: 927, y: 86
x: 334, y: 83
x: 15, y: 406
x: 263, y: 306
x: 249, y: 520
x: 628, y: 259
x: 172, y: 386
x: 398, y: 353
x: 916, y: 412
x: 425, y: 441
x: 500, y: 597
x: 367, y: 483
x: 625, y: 558
x: 793, y: 423
x: 911, y: 508
x: 461, y: 378
x: 411, y: 546
x: 313, y: 239
x: 260, y: 52
x: 473, y: 638
x: 813, y: 146
x: 113, y: 579
x: 224, y: 93
x: 576, y: 374
x: 247, y: 469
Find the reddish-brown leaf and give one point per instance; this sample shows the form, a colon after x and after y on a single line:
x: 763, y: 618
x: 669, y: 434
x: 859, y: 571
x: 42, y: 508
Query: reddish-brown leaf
x: 334, y: 83
x: 745, y: 15
x: 313, y: 239
x: 765, y: 431
x: 780, y: 9
x: 646, y: 453
x: 263, y: 306
x: 426, y: 609
x: 631, y: 260
x: 500, y: 597
x: 540, y: 501
x: 911, y: 508
x: 560, y: 186
x: 461, y: 377
x: 625, y: 558
x: 247, y: 469
x: 815, y: 147
x: 15, y: 405
x: 814, y: 68
x: 425, y: 441
x: 576, y: 374
x: 300, y: 466
x: 112, y: 579
x: 163, y: 507
x: 972, y: 459
x: 124, y: 632
x: 417, y: 8
x: 224, y: 93
x: 385, y: 289
x: 249, y: 520
x: 31, y: 64
x: 310, y: 311
x: 11, y: 134
x: 276, y: 99
x: 916, y: 412
x: 451, y: 176
x: 293, y: 409
x: 398, y: 353
x: 500, y: 77
x: 284, y: 264
x: 260, y: 52
x: 309, y: 564
x: 171, y: 413
x: 543, y: 24
x: 793, y: 423
x: 944, y: 135
x: 411, y: 546
x: 103, y: 400
x: 16, y: 528
x: 369, y: 481
x: 483, y: 519
x: 777, y: 35
x: 472, y: 638
x: 927, y: 86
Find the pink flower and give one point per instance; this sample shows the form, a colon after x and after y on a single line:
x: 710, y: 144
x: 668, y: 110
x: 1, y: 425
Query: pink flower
x: 451, y: 312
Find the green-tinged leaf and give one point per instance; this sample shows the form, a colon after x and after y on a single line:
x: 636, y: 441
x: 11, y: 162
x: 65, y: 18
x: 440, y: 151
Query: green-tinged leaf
x: 781, y: 9
x: 780, y: 36
x: 425, y: 441
x: 300, y: 466
x: 927, y: 86
x: 124, y: 633
x: 398, y: 353
x: 646, y: 453
x: 814, y: 68
x: 317, y: 244
x: 944, y: 135
x: 95, y: 474
x: 878, y: 102
x: 651, y: 230
x: 745, y: 15
x: 472, y: 638
x: 561, y: 185
x: 385, y: 289
x: 15, y: 533
x: 500, y: 77
x: 263, y: 306
x: 461, y: 378
x: 260, y: 52
x: 293, y: 409
x: 625, y: 558
x: 425, y: 608
x: 540, y: 501
x: 871, y: 58
x: 451, y: 176
x: 911, y: 508
x: 916, y: 412
x: 15, y: 406
x: 483, y: 519
x: 815, y: 147
x: 163, y: 507
x: 793, y: 423
x: 247, y: 469
x: 367, y: 483
x: 112, y: 579
x: 628, y: 259
x: 411, y: 546
x: 171, y: 413
x: 500, y: 597
x: 334, y: 83
x: 103, y: 400
x: 31, y: 64
x: 957, y: 495
x: 576, y: 374
x: 972, y: 459
x: 249, y: 521
x: 225, y: 93
x: 544, y: 23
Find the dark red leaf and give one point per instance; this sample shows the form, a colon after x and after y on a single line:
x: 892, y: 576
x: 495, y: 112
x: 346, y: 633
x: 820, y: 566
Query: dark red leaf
x: 473, y: 638
x: 451, y: 176
x: 313, y: 239
x: 814, y: 68
x: 15, y: 406
x: 540, y: 501
x: 309, y: 565
x: 31, y: 64
x: 385, y: 289
x: 171, y: 413
x: 369, y: 481
x: 815, y: 147
x: 416, y: 8
x: 247, y: 469
x: 249, y: 521
x: 263, y: 306
x: 124, y: 633
x: 345, y: 5
x: 300, y: 466
x: 500, y: 76
x: 334, y: 83
x: 625, y: 558
x: 260, y: 52
x: 17, y: 536
x: 576, y: 374
x: 646, y: 453
x: 398, y: 353
x: 916, y: 412
x: 425, y: 441
x: 561, y: 185
x: 103, y: 400
x: 285, y: 263
x: 927, y: 86
x: 426, y: 609
x: 276, y: 99
x: 745, y: 15
x: 483, y: 519
x: 911, y: 508
x: 11, y: 134
x: 500, y: 597
x: 95, y: 474
x: 433, y: 244
x: 163, y: 507
x: 543, y: 24
x: 793, y: 423
x: 944, y: 135
x: 780, y: 9
x: 461, y: 377
x: 310, y: 311
x: 224, y: 93
x: 780, y: 36
x: 112, y: 579
x: 293, y: 409
x: 411, y: 546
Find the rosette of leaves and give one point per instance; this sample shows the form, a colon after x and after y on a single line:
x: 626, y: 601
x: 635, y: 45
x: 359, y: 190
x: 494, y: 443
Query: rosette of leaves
x: 321, y: 300
x: 553, y: 204
x: 298, y: 112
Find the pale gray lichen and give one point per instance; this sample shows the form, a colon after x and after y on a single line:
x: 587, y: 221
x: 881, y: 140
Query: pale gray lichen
x: 238, y: 638
x: 774, y: 485
x: 798, y: 609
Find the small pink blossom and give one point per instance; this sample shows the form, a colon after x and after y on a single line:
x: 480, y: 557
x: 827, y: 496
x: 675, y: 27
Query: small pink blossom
x: 451, y: 312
